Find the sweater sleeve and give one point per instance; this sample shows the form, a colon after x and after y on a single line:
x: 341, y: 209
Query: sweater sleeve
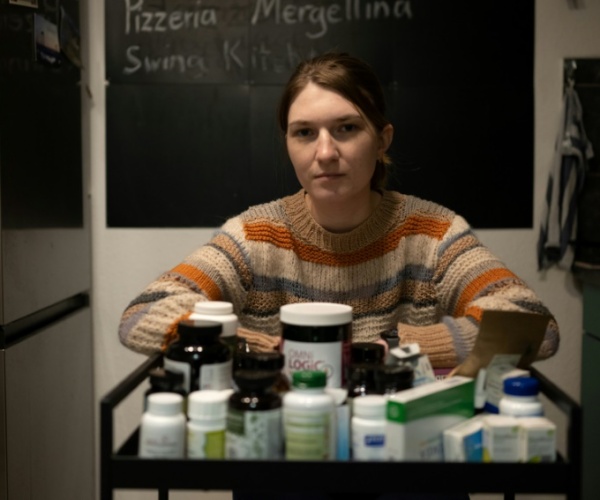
x: 470, y: 279
x: 215, y: 271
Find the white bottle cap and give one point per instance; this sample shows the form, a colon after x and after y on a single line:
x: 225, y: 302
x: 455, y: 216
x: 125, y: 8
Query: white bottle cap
x: 369, y: 406
x: 315, y: 314
x: 208, y: 404
x: 165, y: 403
x: 213, y: 307
x: 220, y: 311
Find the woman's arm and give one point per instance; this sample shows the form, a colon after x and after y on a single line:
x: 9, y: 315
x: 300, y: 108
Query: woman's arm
x: 470, y: 279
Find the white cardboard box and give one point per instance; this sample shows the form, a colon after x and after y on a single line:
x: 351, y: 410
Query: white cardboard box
x: 417, y: 417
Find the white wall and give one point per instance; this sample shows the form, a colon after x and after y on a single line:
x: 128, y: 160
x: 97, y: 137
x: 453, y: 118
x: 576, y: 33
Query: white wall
x: 125, y: 260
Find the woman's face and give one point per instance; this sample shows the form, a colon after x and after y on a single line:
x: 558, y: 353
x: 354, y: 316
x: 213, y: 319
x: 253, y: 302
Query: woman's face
x: 332, y: 146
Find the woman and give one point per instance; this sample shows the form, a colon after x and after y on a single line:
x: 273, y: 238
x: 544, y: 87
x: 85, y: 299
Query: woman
x: 401, y: 262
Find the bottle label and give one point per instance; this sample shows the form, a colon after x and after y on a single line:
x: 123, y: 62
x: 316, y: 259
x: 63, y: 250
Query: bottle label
x: 254, y: 434
x: 162, y: 441
x: 205, y: 444
x: 183, y: 367
x: 322, y: 356
x: 308, y: 435
x: 215, y: 376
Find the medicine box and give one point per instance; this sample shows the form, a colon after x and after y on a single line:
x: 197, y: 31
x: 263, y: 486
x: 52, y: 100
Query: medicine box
x: 537, y: 440
x: 500, y: 438
x: 416, y: 418
x: 463, y: 442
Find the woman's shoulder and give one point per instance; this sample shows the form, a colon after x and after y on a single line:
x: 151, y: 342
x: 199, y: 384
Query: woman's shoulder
x: 274, y: 211
x: 415, y: 205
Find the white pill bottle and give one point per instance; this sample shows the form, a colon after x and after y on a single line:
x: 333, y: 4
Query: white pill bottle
x: 520, y: 398
x: 162, y: 429
x: 309, y: 418
x: 368, y: 427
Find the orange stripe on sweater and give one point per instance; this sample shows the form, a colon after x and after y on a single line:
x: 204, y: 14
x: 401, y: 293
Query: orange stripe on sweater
x: 478, y: 284
x: 474, y: 312
x: 282, y: 238
x: 171, y: 334
x: 204, y: 282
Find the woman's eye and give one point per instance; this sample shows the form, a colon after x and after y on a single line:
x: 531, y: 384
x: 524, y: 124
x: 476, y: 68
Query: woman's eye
x: 348, y: 127
x: 302, y: 132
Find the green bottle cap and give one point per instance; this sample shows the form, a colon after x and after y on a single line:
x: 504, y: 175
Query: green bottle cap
x: 309, y: 379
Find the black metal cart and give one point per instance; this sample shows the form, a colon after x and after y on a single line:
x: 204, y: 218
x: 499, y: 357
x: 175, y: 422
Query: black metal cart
x: 122, y: 469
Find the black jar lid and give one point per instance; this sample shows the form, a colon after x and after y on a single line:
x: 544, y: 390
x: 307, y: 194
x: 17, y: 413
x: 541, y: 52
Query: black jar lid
x: 267, y: 361
x: 366, y: 352
x: 255, y: 379
x: 165, y: 379
x: 394, y: 375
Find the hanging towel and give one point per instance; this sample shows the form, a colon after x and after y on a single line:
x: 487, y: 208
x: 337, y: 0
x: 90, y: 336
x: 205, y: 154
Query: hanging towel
x: 559, y: 218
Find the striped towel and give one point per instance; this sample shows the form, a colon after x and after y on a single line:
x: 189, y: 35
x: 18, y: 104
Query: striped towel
x: 559, y: 219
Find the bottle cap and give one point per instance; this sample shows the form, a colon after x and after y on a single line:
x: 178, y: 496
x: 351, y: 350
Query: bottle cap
x: 315, y: 314
x: 366, y: 352
x: 269, y: 361
x: 208, y: 404
x: 521, y: 386
x: 194, y: 326
x: 369, y: 406
x: 216, y: 307
x: 309, y: 379
x: 162, y: 378
x: 400, y: 376
x: 219, y: 311
x: 165, y: 403
x: 253, y: 380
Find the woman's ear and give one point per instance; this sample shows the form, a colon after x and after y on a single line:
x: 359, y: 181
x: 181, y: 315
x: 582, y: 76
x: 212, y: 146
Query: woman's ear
x: 386, y: 136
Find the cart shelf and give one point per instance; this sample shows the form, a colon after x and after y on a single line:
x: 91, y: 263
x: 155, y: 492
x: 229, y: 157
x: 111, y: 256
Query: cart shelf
x: 122, y: 469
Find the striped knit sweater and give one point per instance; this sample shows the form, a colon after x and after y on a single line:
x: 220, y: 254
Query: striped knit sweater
x: 413, y: 265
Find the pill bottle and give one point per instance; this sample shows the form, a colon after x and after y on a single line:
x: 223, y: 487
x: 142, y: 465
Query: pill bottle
x: 221, y: 312
x: 162, y: 380
x: 200, y: 354
x: 254, y: 421
x: 309, y: 416
x: 368, y: 428
x: 392, y: 340
x: 316, y: 336
x: 520, y: 398
x: 390, y: 379
x: 365, y: 359
x: 205, y: 430
x: 271, y: 361
x: 162, y: 428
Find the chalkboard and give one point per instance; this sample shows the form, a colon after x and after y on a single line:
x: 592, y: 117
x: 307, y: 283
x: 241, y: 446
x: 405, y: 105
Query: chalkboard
x: 193, y: 88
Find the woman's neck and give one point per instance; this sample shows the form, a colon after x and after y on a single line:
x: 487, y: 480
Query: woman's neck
x: 342, y: 217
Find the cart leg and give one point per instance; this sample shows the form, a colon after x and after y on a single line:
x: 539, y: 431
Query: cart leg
x: 163, y: 494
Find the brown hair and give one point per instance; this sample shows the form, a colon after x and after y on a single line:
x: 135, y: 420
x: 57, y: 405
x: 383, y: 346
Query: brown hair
x: 354, y: 80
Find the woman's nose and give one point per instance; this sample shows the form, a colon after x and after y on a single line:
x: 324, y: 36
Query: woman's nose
x: 326, y: 147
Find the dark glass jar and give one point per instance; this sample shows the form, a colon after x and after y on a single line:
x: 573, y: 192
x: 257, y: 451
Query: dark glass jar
x: 200, y: 354
x: 266, y: 362
x: 254, y: 417
x: 391, y: 379
x: 162, y: 380
x: 366, y: 358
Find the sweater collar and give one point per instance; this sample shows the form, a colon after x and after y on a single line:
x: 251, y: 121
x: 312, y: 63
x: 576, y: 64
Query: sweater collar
x: 385, y: 216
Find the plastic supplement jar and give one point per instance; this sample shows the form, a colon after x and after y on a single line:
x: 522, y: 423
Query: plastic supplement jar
x: 200, y: 354
x: 521, y: 398
x: 368, y: 427
x: 316, y: 336
x: 221, y: 312
x: 162, y: 429
x: 207, y: 412
x: 309, y: 416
